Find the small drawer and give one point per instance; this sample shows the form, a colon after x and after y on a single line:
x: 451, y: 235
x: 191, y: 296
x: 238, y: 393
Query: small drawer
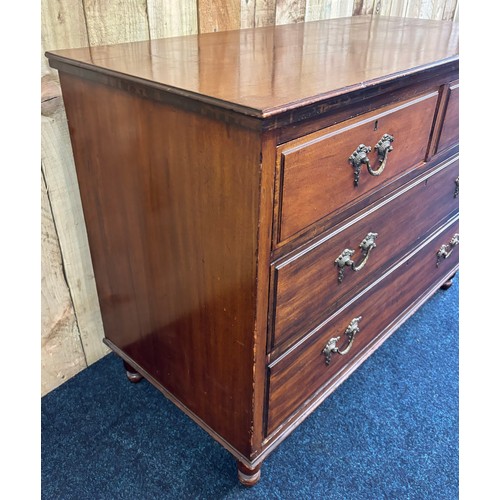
x: 319, y: 360
x: 317, y: 173
x: 308, y: 285
x: 449, y: 130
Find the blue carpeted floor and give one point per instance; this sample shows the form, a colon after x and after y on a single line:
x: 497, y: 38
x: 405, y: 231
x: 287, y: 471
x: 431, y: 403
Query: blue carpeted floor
x: 389, y: 432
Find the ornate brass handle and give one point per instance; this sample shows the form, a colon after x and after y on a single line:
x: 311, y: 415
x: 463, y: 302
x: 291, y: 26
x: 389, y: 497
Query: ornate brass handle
x: 344, y: 259
x: 383, y: 148
x: 331, y: 345
x: 360, y: 157
x: 445, y: 251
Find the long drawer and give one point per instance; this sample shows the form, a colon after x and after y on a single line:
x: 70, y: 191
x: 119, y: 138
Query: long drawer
x: 308, y: 285
x: 312, y: 363
x: 317, y: 173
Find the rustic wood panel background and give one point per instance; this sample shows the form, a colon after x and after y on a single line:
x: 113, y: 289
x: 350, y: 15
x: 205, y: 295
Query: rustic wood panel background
x: 71, y: 323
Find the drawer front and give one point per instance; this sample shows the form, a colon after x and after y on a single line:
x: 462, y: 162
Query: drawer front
x: 308, y: 285
x: 449, y: 130
x: 303, y: 370
x: 317, y: 178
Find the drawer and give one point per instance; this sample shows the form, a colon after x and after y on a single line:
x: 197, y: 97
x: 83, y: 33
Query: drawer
x: 308, y: 285
x: 317, y: 178
x: 449, y: 130
x: 303, y: 370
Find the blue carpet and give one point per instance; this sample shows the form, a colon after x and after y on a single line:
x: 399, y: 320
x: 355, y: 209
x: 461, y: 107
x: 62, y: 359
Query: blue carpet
x: 389, y: 432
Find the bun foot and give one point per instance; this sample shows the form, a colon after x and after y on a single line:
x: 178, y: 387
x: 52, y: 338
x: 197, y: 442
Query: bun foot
x: 448, y: 283
x: 133, y: 375
x: 248, y: 477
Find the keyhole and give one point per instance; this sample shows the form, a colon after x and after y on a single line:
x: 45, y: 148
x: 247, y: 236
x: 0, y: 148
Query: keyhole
x: 375, y: 127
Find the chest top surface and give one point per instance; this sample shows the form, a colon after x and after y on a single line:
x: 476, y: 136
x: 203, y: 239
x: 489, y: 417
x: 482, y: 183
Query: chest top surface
x: 264, y: 71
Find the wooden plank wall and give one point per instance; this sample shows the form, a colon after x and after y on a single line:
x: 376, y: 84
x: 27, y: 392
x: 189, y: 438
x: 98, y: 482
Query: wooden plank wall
x: 71, y: 323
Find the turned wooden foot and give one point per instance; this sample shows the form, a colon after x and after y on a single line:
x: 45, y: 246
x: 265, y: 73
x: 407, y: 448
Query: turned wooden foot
x: 132, y: 374
x: 248, y: 477
x: 448, y: 283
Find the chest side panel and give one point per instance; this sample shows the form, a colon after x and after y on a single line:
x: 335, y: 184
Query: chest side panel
x: 171, y: 203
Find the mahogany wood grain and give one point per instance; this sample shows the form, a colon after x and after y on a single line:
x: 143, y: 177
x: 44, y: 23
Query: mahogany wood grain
x: 316, y: 176
x: 176, y: 144
x: 315, y: 232
x: 314, y: 115
x: 449, y: 130
x: 322, y: 59
x: 132, y: 374
x: 306, y: 285
x: 311, y: 118
x: 448, y: 283
x: 302, y: 371
x: 291, y: 423
x: 267, y: 160
x: 172, y: 221
x: 248, y: 476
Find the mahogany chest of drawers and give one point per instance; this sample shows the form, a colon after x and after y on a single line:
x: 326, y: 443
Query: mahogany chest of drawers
x: 265, y: 207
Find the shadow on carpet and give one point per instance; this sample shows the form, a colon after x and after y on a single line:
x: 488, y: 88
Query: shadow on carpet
x: 390, y: 431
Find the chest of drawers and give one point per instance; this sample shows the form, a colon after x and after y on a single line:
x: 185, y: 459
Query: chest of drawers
x: 265, y: 207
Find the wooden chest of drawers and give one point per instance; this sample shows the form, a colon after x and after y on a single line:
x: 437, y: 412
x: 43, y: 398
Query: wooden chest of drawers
x: 265, y: 207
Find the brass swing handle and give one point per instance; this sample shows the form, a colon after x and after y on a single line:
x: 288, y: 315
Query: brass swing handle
x: 344, y: 259
x: 360, y: 157
x: 445, y: 251
x: 331, y: 345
